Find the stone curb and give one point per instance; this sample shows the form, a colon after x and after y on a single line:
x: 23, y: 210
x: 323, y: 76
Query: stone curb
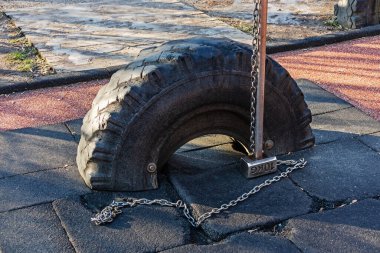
x: 322, y: 40
x: 103, y: 73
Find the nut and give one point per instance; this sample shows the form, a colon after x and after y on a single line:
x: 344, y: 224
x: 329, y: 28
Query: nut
x: 269, y: 144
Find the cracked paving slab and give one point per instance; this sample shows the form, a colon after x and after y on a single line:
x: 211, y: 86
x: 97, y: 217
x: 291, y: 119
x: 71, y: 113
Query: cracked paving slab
x: 342, y: 124
x: 138, y: 229
x: 319, y: 100
x: 34, y: 149
x: 33, y: 229
x: 339, y: 171
x: 40, y: 187
x: 372, y: 141
x: 205, y: 186
x: 244, y: 242
x: 353, y: 228
x: 80, y: 35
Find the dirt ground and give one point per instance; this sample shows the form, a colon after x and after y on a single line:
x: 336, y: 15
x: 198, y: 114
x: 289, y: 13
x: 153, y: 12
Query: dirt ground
x: 19, y: 60
x: 287, y: 19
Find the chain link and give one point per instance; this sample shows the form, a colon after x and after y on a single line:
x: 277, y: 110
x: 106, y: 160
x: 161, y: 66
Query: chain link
x: 255, y: 68
x: 111, y: 211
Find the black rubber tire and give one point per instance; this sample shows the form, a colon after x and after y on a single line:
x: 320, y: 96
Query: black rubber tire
x: 174, y: 93
x: 357, y: 13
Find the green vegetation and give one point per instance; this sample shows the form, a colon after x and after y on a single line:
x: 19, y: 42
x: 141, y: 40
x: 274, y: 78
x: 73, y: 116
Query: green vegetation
x: 24, y: 58
x: 332, y: 22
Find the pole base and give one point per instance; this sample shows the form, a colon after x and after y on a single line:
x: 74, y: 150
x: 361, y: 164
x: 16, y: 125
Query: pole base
x: 255, y: 168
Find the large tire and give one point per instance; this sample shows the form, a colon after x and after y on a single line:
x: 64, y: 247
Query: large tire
x: 174, y: 93
x: 357, y: 13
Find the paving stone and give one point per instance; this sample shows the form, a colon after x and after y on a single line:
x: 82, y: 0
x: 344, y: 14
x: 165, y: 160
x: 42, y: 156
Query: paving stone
x: 206, y: 187
x: 343, y: 123
x: 33, y: 229
x: 243, y: 242
x: 327, y: 136
x: 342, y: 170
x: 33, y: 149
x: 75, y: 126
x: 371, y: 140
x: 353, y: 228
x: 40, y: 187
x: 220, y: 155
x: 138, y: 229
x: 319, y: 100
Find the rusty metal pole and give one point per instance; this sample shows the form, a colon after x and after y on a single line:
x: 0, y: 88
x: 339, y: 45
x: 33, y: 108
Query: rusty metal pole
x: 259, y: 127
x: 259, y: 165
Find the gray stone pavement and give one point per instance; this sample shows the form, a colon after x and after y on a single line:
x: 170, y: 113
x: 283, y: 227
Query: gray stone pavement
x: 80, y: 35
x: 332, y: 205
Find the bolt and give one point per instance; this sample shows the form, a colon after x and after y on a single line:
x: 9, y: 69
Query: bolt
x: 152, y: 168
x: 269, y: 144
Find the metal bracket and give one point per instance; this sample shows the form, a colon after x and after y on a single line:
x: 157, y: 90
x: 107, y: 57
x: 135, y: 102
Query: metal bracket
x: 254, y: 168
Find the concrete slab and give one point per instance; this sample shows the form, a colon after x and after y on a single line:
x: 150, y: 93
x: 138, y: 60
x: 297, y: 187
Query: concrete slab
x: 220, y: 154
x: 138, y: 229
x: 205, y: 187
x: 80, y: 35
x: 33, y: 229
x: 34, y: 149
x: 40, y: 187
x: 371, y: 140
x: 343, y: 123
x: 319, y: 100
x: 243, y: 242
x: 342, y: 170
x: 74, y: 127
x: 353, y: 228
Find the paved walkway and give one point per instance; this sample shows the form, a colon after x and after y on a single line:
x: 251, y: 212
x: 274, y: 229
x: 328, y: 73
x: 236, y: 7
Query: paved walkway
x: 80, y: 35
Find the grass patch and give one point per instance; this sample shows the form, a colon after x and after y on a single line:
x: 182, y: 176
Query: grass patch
x: 18, y: 41
x: 23, y: 59
x: 27, y: 65
x: 332, y: 22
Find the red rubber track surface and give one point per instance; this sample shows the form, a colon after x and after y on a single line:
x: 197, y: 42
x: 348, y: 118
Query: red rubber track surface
x: 350, y: 70
x: 47, y: 106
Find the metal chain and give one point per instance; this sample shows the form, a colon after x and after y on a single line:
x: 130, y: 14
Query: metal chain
x: 110, y: 212
x: 254, y: 69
